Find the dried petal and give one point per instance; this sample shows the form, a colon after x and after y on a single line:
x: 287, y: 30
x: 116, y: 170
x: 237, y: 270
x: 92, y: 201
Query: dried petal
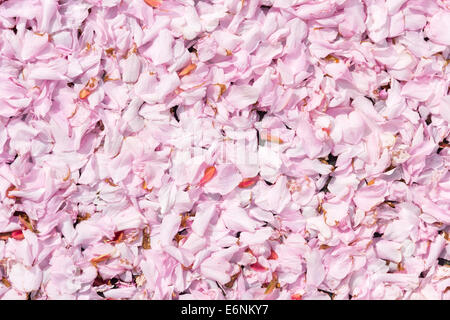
x: 248, y: 182
x: 146, y: 238
x: 25, y: 220
x: 272, y: 138
x: 153, y: 3
x: 84, y: 93
x: 273, y: 255
x: 258, y: 267
x: 210, y: 172
x: 100, y: 258
x: 18, y: 235
x: 234, y: 277
x: 187, y: 70
x: 272, y: 284
x: 6, y: 282
x: 11, y: 188
x: 223, y: 88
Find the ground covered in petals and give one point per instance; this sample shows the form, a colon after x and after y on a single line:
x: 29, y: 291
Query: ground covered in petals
x: 224, y: 149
